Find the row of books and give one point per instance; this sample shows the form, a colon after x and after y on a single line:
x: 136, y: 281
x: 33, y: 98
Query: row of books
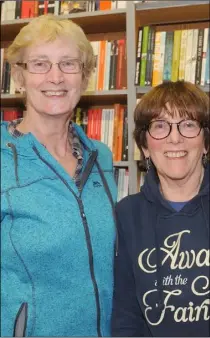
x: 110, y: 70
x: 7, y: 83
x: 22, y: 9
x: 10, y: 114
x: 122, y: 180
x: 172, y: 55
x: 108, y: 125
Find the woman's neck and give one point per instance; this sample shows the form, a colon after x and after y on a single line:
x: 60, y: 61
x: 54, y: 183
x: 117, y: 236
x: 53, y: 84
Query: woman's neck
x: 50, y: 131
x: 181, y: 190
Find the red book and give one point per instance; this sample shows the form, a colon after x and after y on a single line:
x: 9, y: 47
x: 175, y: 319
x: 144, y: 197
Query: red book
x: 10, y: 115
x: 105, y: 4
x: 28, y: 9
x: 121, y: 65
x: 99, y: 123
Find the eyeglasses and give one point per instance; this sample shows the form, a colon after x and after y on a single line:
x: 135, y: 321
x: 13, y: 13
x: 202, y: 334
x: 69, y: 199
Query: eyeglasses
x: 69, y: 66
x: 160, y: 129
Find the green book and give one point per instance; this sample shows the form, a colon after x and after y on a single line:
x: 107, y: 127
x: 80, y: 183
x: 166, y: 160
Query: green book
x: 144, y: 55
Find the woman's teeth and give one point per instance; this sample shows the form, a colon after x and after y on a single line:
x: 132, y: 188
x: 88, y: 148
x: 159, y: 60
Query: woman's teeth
x: 175, y: 154
x: 57, y: 93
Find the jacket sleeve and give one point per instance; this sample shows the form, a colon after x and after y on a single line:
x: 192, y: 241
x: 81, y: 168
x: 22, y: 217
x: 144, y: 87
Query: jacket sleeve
x: 127, y: 319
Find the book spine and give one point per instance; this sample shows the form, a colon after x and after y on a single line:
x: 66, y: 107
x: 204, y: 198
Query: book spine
x: 162, y: 55
x: 188, y: 63
x: 107, y: 67
x: 101, y: 66
x: 115, y: 132
x: 204, y: 55
x: 176, y: 55
x: 156, y: 64
x: 199, y: 56
x: 194, y: 55
x: 138, y: 57
x: 207, y: 73
x: 119, y: 70
x: 182, y: 59
x: 125, y: 136
x: 105, y: 5
x: 18, y: 9
x: 144, y: 55
x: 167, y: 68
x: 148, y: 56
x: 114, y: 57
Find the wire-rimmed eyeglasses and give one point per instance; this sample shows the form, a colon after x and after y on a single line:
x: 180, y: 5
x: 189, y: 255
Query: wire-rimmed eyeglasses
x: 160, y: 129
x: 69, y: 66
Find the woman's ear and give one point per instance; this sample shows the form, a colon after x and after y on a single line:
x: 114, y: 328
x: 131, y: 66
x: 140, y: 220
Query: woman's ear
x: 145, y: 152
x: 18, y: 78
x: 84, y: 84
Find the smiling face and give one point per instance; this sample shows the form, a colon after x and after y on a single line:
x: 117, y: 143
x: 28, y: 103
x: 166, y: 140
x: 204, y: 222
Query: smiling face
x: 175, y: 157
x: 53, y: 93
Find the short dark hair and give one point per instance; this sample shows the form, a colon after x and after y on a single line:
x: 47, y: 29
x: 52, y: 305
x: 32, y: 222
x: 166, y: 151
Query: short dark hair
x: 187, y: 99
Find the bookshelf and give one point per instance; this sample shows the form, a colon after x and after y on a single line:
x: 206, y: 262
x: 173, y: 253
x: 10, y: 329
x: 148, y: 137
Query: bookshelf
x: 113, y: 24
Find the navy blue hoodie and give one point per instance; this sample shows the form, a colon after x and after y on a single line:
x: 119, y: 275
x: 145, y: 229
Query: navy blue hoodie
x: 162, y: 266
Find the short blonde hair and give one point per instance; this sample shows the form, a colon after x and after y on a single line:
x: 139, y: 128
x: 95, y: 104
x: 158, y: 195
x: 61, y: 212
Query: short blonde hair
x: 48, y: 28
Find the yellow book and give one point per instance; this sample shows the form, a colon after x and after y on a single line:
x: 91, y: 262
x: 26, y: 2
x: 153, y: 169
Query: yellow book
x: 182, y: 55
x: 176, y: 55
x: 156, y: 63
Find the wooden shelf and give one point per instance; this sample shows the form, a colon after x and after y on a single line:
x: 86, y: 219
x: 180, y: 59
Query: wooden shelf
x: 144, y: 90
x: 171, y: 12
x: 121, y: 164
x: 103, y: 97
x: 92, y: 23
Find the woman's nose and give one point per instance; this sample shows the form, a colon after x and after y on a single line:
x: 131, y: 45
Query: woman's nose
x: 55, y: 75
x: 174, y: 136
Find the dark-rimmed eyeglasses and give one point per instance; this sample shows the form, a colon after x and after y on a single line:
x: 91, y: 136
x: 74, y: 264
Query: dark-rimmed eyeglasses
x: 69, y: 66
x: 160, y: 129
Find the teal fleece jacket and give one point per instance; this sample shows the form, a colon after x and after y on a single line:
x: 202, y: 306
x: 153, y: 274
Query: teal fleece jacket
x: 57, y: 242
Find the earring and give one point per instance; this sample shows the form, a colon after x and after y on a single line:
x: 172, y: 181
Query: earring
x: 148, y: 163
x: 205, y: 160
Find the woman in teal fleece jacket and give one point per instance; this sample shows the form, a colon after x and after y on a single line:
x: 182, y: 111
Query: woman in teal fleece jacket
x: 58, y: 194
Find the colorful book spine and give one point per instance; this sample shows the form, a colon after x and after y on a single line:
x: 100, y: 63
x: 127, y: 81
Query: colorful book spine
x: 138, y: 57
x: 204, y: 55
x: 199, y: 56
x: 144, y: 55
x: 182, y: 59
x: 194, y: 55
x: 176, y: 55
x: 156, y: 64
x: 207, y: 73
x: 188, y: 63
x: 167, y: 68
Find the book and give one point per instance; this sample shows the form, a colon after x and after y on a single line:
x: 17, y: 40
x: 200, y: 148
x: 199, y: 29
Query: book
x: 199, y: 56
x: 176, y: 55
x: 194, y: 55
x: 138, y: 57
x: 167, y: 67
x: 204, y: 56
x: 144, y: 55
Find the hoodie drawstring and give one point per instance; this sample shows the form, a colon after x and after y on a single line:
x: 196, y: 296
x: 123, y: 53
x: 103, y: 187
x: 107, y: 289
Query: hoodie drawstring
x: 106, y: 187
x: 15, y: 157
x: 159, y: 277
x: 205, y: 217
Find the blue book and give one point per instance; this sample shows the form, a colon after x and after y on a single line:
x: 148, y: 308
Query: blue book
x: 167, y: 68
x: 207, y: 77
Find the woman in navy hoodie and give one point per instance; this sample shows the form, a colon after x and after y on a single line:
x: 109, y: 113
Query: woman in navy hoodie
x: 162, y: 267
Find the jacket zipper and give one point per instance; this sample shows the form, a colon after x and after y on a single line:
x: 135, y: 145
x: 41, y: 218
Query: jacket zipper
x: 88, y: 241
